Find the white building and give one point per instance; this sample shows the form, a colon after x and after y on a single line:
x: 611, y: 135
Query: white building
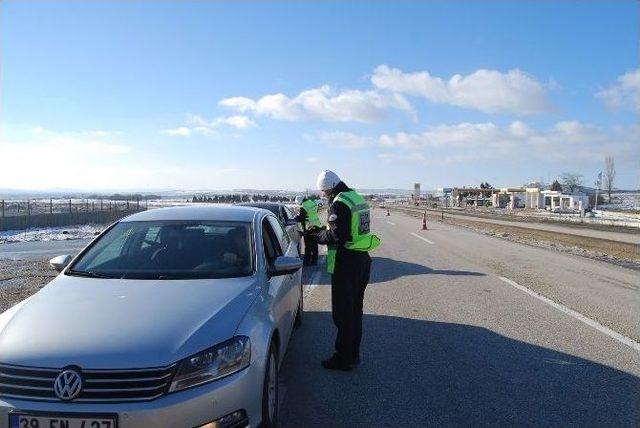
x: 536, y: 199
x: 554, y: 200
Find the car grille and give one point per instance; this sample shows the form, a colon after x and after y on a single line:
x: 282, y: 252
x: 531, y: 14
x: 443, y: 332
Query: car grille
x: 34, y: 383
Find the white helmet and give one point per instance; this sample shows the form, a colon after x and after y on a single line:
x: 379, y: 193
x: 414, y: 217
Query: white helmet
x: 327, y: 180
x: 299, y: 199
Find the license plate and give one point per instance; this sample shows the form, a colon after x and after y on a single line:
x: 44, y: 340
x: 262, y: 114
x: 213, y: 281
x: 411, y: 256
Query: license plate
x: 26, y: 420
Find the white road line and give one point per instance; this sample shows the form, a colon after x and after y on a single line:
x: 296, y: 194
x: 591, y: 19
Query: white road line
x: 591, y: 323
x: 315, y: 279
x: 423, y: 238
x: 392, y: 224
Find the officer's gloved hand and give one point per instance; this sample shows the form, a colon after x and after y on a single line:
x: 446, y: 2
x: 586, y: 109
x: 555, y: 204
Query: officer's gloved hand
x: 312, y: 232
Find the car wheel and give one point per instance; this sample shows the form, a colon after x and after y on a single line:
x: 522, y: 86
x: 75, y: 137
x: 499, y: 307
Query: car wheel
x: 299, y: 314
x: 270, y: 390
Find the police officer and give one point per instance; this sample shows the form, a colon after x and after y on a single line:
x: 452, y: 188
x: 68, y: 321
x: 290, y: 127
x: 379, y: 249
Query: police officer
x: 311, y: 224
x: 349, y: 240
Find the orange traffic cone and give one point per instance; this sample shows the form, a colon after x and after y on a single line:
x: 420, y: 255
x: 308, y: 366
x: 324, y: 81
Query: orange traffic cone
x: 388, y: 213
x: 424, y: 221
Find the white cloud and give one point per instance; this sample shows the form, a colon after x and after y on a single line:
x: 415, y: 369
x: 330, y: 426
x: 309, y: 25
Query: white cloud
x: 625, y: 93
x: 323, y: 103
x: 568, y: 141
x: 199, y: 125
x: 484, y: 136
x: 41, y: 157
x: 182, y: 131
x: 240, y: 122
x: 489, y: 91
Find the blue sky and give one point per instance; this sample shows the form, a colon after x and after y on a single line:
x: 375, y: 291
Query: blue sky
x: 219, y: 95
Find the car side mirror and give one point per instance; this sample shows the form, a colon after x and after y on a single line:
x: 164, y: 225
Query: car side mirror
x: 60, y: 262
x: 284, y: 265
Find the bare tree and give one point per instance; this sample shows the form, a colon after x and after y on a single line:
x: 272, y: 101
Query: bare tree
x: 571, y: 180
x: 609, y: 175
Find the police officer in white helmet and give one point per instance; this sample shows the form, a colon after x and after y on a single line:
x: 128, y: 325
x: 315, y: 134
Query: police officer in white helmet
x: 348, y: 239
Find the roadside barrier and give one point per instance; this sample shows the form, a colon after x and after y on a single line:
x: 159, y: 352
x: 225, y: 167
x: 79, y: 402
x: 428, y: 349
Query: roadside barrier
x: 424, y: 221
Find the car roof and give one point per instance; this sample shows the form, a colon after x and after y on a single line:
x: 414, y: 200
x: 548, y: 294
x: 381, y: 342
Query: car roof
x: 261, y: 204
x: 219, y: 212
x: 274, y: 207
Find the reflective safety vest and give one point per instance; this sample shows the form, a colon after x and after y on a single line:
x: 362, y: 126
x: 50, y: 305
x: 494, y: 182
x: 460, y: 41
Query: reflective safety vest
x: 312, y: 213
x: 361, y: 237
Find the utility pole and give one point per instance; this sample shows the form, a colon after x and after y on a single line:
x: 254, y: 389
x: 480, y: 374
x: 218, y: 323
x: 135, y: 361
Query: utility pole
x: 598, y: 182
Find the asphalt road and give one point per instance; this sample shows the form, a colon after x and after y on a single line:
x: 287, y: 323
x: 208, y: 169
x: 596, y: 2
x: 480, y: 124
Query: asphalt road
x: 38, y: 250
x: 455, y: 334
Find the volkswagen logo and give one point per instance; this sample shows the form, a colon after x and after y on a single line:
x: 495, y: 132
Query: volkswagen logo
x: 68, y: 385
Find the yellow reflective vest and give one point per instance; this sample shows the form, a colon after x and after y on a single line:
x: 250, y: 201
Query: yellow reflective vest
x: 361, y: 237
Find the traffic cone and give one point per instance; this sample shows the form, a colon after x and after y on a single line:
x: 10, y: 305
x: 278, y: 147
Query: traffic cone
x: 424, y: 221
x: 388, y: 213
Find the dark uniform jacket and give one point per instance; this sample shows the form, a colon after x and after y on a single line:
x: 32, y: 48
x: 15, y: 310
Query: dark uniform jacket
x: 339, y: 231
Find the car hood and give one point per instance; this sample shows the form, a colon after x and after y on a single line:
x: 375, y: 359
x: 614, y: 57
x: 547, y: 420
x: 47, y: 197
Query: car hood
x: 112, y: 323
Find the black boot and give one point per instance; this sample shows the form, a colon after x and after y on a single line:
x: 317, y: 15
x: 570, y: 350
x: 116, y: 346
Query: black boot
x: 336, y: 363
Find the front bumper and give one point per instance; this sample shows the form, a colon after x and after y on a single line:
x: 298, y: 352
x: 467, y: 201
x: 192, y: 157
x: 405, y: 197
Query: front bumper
x: 190, y: 408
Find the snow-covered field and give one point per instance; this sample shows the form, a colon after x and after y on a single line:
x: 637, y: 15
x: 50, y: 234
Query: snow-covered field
x: 622, y: 202
x: 51, y: 233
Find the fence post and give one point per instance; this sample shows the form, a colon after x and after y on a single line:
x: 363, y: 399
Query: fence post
x: 51, y: 206
x: 3, y: 208
x: 127, y: 204
x: 137, y: 203
x: 146, y: 203
x: 100, y: 204
x: 69, y: 206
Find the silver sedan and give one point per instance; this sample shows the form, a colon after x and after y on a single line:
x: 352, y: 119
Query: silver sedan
x: 175, y: 317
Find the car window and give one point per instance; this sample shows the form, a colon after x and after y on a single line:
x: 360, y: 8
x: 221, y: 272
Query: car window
x: 281, y: 234
x: 170, y: 250
x: 289, y: 213
x: 272, y: 248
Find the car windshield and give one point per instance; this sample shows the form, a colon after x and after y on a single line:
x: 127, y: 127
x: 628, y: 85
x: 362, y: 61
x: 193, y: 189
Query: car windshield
x: 169, y: 250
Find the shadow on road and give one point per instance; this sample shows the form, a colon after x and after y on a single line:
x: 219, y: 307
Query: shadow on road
x: 384, y: 269
x: 422, y: 373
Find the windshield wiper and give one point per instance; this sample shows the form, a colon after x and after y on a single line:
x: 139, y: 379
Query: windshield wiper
x: 88, y: 274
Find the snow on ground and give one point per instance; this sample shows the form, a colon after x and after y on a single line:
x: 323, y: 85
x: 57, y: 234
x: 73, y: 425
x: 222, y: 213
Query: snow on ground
x: 622, y: 202
x: 51, y: 233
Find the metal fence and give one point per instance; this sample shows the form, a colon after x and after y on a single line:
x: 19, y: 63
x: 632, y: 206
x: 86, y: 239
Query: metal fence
x: 22, y: 215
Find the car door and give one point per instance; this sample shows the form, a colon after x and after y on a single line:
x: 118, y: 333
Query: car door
x: 291, y: 282
x: 279, y: 286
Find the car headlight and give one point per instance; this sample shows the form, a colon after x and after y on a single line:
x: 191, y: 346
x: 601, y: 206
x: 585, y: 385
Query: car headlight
x: 214, y: 363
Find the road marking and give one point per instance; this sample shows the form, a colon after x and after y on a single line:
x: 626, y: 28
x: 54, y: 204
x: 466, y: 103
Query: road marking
x: 392, y: 224
x: 315, y: 279
x: 423, y: 238
x: 577, y: 315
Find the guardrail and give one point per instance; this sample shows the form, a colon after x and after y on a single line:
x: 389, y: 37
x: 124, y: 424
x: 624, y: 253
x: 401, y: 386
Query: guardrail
x: 24, y: 222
